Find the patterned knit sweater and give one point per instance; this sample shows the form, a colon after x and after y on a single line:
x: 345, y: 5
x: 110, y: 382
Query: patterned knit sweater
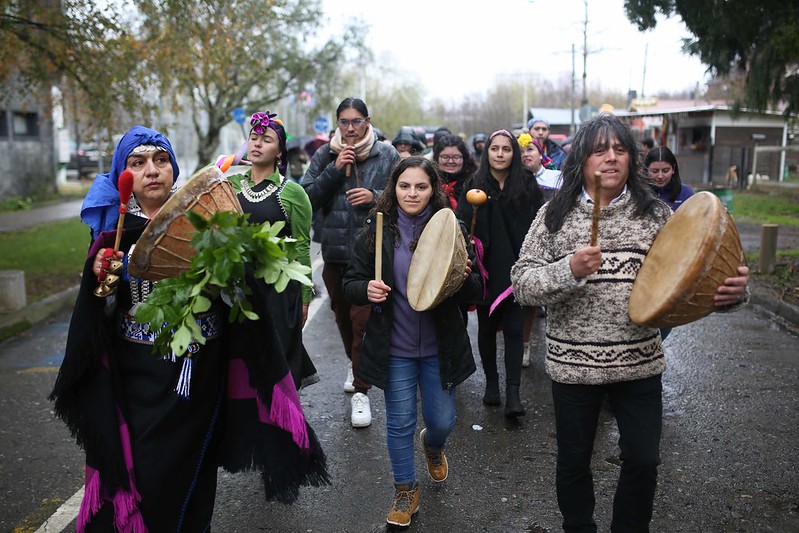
x: 590, y: 337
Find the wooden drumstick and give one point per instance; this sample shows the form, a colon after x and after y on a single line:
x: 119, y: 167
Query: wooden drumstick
x: 595, y: 217
x: 348, y: 169
x: 379, y: 248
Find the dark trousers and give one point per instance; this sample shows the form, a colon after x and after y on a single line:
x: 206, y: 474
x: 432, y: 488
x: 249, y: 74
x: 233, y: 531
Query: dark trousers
x: 350, y: 319
x: 509, y: 316
x: 638, y: 408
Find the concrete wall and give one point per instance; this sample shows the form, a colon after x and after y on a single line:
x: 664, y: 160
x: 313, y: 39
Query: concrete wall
x: 26, y: 141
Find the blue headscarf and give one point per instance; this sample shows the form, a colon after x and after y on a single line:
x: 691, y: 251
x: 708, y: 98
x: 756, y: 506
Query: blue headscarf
x: 101, y: 206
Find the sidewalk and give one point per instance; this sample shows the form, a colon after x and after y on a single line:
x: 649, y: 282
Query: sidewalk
x: 14, y: 322
x: 20, y: 220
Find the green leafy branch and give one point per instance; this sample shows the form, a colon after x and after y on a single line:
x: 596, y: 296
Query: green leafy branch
x: 225, y: 244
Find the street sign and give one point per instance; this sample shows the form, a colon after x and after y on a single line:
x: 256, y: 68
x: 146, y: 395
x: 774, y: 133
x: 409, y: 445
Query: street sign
x: 238, y: 115
x: 321, y: 125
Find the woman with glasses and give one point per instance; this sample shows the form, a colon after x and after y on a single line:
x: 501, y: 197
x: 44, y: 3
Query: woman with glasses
x: 343, y: 181
x: 664, y: 175
x: 502, y: 223
x: 455, y: 163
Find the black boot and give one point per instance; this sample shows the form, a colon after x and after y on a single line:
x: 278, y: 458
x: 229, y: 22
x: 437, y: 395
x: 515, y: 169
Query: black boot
x: 491, y: 397
x: 513, y: 403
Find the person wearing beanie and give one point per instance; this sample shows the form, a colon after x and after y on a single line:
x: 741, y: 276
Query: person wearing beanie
x: 539, y: 129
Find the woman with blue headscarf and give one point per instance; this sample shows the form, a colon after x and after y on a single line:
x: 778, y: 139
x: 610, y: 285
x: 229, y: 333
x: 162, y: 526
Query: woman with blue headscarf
x: 153, y: 439
x: 149, y: 464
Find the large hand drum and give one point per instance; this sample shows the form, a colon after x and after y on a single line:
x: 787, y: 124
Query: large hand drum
x: 438, y: 263
x: 693, y: 254
x: 164, y: 249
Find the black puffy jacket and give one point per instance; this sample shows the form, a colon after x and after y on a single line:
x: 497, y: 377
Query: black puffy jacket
x: 336, y: 220
x: 456, y: 361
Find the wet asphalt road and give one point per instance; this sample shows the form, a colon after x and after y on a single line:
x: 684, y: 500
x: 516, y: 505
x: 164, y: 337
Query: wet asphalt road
x: 728, y: 451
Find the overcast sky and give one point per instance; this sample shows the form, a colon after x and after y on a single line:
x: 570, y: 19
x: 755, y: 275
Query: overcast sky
x: 502, y: 39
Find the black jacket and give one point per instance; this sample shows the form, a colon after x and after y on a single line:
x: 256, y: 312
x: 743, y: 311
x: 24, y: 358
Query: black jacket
x: 455, y: 349
x: 501, y: 228
x: 334, y: 218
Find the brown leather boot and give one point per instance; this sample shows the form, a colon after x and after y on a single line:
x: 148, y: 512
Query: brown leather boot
x: 406, y: 504
x: 437, y: 465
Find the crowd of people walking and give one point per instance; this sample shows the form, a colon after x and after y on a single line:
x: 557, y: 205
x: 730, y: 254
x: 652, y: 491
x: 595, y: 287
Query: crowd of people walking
x: 526, y: 253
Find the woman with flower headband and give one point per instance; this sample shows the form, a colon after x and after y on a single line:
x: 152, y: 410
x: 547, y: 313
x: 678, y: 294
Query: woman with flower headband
x: 502, y: 223
x: 153, y: 446
x: 256, y: 349
x: 343, y: 181
x: 548, y: 178
x: 534, y: 159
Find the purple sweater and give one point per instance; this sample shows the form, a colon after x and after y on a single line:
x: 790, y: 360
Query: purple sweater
x: 412, y: 333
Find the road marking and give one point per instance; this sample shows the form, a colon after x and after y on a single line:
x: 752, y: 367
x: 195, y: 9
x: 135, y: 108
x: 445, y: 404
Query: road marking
x: 64, y: 515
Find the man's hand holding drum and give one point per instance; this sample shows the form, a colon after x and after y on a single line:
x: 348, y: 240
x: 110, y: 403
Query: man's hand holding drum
x: 733, y: 289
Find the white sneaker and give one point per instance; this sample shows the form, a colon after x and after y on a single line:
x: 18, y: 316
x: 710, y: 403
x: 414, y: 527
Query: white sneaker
x: 526, y: 356
x: 361, y: 412
x: 348, y: 386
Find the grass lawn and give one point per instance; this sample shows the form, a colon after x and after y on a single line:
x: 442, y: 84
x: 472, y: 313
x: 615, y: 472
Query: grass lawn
x: 764, y: 208
x: 51, y: 255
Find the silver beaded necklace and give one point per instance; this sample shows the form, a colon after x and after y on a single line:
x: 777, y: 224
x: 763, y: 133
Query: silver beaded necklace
x: 259, y: 196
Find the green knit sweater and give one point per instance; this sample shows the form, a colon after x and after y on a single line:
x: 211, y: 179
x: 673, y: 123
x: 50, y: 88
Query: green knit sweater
x: 590, y: 337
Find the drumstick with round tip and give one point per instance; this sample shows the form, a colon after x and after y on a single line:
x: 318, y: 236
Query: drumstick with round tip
x: 595, y: 216
x: 125, y: 185
x: 475, y: 197
x: 379, y: 248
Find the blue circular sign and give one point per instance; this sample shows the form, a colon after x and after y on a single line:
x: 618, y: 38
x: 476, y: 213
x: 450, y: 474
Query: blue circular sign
x: 238, y: 115
x: 321, y: 125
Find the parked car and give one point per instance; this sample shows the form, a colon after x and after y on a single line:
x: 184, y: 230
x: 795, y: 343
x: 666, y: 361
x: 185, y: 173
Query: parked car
x: 85, y: 162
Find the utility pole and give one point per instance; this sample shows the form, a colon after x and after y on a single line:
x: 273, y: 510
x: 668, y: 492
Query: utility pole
x: 585, y: 53
x: 643, y: 78
x: 573, y: 128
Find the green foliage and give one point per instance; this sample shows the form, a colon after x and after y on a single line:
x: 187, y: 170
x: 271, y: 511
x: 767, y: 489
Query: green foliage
x: 214, y: 56
x: 757, y: 38
x: 228, y: 248
x: 72, y: 44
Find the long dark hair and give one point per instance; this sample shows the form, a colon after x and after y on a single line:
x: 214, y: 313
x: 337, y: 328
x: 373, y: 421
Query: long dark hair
x: 598, y: 133
x: 663, y: 154
x: 517, y: 184
x: 387, y: 201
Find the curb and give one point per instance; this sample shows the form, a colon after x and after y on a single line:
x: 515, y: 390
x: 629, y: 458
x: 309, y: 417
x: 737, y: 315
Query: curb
x: 15, y: 322
x: 767, y: 299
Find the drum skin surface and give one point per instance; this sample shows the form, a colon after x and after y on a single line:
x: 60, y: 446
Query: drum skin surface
x: 164, y: 249
x: 438, y: 263
x: 697, y: 249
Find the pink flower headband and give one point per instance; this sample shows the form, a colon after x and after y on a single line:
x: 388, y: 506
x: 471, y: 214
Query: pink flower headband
x: 260, y: 121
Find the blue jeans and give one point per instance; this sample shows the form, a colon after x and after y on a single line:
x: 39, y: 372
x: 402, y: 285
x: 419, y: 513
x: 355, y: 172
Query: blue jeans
x: 438, y: 411
x: 638, y: 408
